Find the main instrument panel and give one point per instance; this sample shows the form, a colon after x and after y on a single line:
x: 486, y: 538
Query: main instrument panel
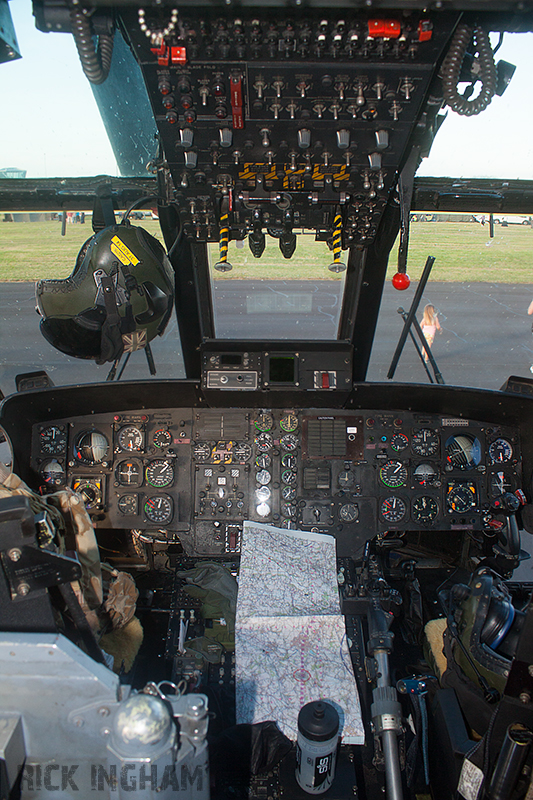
x: 197, y: 474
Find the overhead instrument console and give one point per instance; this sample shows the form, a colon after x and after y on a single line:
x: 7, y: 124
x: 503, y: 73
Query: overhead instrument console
x: 271, y: 119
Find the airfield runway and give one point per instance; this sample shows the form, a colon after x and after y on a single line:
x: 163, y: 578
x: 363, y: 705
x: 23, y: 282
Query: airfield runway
x: 486, y: 332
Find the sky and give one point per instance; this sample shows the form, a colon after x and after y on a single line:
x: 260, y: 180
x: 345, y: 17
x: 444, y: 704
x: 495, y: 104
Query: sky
x: 51, y: 127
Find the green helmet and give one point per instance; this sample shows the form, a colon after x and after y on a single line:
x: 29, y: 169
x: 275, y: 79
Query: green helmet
x: 117, y: 299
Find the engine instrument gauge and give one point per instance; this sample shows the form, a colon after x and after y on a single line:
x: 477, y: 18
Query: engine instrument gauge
x: 461, y: 497
x: 159, y: 509
x: 162, y: 438
x: 53, y: 440
x: 424, y: 509
x: 289, y: 460
x: 129, y: 472
x: 263, y: 461
x: 463, y: 451
x: 393, y: 474
x: 425, y: 442
x: 130, y: 438
x: 289, y: 477
x: 399, y: 441
x: 264, y: 442
x: 91, y: 447
x: 241, y: 451
x: 393, y: 509
x: 263, y: 477
x: 288, y: 492
x: 128, y: 504
x: 262, y: 509
x: 288, y: 510
x: 160, y: 473
x: 349, y: 512
x: 264, y: 422
x: 425, y: 474
x: 201, y: 451
x: 289, y: 423
x: 500, y: 451
x: 53, y: 472
x: 289, y: 441
x: 263, y: 493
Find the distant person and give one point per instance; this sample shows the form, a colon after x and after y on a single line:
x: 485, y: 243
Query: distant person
x: 430, y: 325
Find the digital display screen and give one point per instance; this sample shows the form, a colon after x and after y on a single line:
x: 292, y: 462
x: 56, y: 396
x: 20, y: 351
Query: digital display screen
x: 230, y: 359
x: 282, y: 369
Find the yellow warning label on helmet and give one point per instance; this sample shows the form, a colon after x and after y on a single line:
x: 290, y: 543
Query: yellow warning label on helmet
x: 123, y: 253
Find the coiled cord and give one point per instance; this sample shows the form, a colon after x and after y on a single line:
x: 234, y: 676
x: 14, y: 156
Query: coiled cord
x: 451, y: 70
x: 95, y: 63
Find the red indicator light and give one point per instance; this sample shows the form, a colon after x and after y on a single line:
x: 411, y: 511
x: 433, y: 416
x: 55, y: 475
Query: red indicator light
x: 384, y: 28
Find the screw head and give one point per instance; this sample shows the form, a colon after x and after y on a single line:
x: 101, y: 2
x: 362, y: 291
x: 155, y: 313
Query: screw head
x: 23, y: 589
x: 14, y: 554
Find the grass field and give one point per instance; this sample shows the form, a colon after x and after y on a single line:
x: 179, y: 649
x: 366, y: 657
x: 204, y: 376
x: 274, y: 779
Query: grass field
x: 463, y: 252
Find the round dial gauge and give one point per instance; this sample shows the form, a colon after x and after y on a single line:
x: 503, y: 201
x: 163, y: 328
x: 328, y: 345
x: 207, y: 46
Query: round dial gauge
x: 263, y: 477
x: 128, y: 504
x: 262, y: 509
x: 500, y: 451
x: 158, y: 509
x: 264, y: 422
x: 399, y: 441
x: 288, y: 511
x: 289, y: 423
x: 201, y: 451
x: 289, y: 441
x: 424, y: 509
x: 130, y: 438
x: 289, y: 477
x: 91, y: 447
x: 241, y: 451
x: 129, y: 472
x: 263, y: 461
x: 162, y: 438
x: 53, y: 440
x: 52, y: 472
x: 263, y: 442
x: 463, y: 451
x: 393, y: 509
x: 289, y: 460
x: 461, y: 497
x: 90, y: 490
x: 425, y: 442
x: 159, y: 473
x: 425, y: 475
x: 346, y: 478
x: 263, y: 493
x: 393, y: 474
x: 349, y: 512
x: 500, y: 483
x: 288, y: 492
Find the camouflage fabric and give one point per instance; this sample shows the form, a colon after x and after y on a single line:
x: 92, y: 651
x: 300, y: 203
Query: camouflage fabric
x: 108, y: 601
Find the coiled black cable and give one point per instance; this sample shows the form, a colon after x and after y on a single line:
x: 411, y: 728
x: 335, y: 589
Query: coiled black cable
x: 451, y: 71
x: 95, y: 63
